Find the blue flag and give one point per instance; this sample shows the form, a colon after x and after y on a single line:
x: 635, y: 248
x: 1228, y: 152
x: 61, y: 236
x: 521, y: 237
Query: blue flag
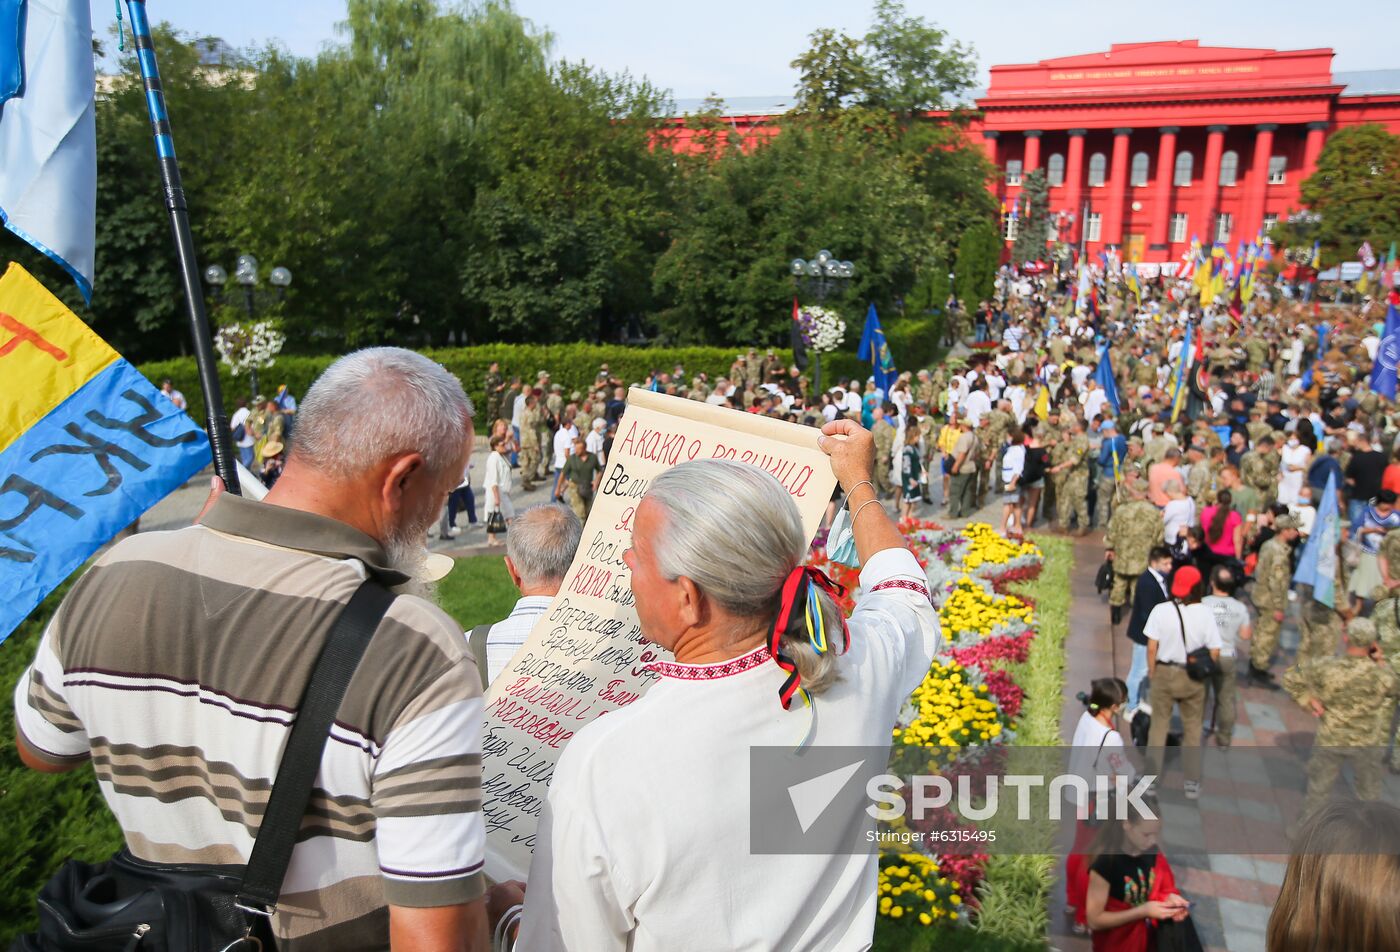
x: 1307, y: 380
x: 874, y: 349
x: 1387, y: 356
x: 86, y: 444
x: 1317, y: 565
x: 1103, y: 374
x: 48, y: 134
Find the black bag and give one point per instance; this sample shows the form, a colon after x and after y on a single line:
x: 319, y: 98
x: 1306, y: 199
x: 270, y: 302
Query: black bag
x: 130, y: 905
x: 1177, y: 936
x: 496, y: 523
x: 1200, y: 666
x: 1103, y: 581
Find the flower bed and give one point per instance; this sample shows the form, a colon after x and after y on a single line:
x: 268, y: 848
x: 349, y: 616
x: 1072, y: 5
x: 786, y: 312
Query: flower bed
x: 968, y: 702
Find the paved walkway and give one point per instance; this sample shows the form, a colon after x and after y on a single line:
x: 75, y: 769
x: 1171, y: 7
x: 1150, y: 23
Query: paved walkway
x: 1233, y: 893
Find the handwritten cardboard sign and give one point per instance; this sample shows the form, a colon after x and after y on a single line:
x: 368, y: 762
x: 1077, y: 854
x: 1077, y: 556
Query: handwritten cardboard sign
x: 587, y: 655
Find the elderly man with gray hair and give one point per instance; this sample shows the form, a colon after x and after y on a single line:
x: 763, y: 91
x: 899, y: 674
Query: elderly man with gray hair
x: 539, y: 549
x: 199, y: 644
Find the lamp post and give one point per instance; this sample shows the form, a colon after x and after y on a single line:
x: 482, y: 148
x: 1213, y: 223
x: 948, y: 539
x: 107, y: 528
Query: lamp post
x: 245, y: 274
x: 821, y: 277
x: 1301, y: 226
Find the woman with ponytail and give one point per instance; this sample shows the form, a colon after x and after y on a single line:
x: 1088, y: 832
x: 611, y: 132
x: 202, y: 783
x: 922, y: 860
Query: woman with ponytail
x: 1096, y: 751
x: 644, y: 841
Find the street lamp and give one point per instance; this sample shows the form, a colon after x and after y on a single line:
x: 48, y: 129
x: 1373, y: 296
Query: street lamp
x: 821, y: 277
x: 245, y: 274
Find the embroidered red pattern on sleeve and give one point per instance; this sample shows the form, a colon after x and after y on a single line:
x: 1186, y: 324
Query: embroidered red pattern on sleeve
x: 905, y: 583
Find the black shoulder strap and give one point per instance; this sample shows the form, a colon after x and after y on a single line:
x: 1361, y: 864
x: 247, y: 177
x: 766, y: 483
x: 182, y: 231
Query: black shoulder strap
x: 478, y: 646
x: 1182, y: 622
x: 301, y: 759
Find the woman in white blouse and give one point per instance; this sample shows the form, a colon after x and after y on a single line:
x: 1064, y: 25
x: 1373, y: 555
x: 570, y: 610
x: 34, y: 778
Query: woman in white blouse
x: 497, y: 486
x: 644, y: 843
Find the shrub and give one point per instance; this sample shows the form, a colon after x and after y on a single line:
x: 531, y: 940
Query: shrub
x: 572, y: 366
x: 44, y: 818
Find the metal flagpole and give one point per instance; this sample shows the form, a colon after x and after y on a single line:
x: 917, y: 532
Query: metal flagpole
x: 216, y: 421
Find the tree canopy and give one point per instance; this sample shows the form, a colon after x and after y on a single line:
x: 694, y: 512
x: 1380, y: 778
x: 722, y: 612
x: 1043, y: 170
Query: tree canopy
x: 1356, y: 190
x: 437, y: 176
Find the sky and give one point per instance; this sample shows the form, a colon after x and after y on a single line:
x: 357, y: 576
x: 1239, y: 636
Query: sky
x: 743, y: 47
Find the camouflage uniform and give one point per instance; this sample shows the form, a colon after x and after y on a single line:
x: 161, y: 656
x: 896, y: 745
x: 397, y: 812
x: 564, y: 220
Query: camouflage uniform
x: 1256, y: 352
x: 1136, y: 526
x: 1200, y: 483
x: 493, y: 399
x: 1073, y: 492
x: 999, y: 424
x: 926, y: 394
x: 884, y: 434
x: 1255, y: 472
x: 1319, y: 628
x: 1357, y: 696
x: 529, y: 446
x: 1257, y: 430
x: 1272, y: 576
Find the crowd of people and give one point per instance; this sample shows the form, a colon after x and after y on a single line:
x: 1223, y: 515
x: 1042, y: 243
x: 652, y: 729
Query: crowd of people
x: 1202, y: 442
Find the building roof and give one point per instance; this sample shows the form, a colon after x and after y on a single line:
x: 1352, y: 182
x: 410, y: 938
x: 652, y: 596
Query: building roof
x: 735, y: 106
x: 1369, y: 82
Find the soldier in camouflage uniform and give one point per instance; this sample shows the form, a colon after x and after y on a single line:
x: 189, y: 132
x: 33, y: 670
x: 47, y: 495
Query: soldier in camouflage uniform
x: 1256, y: 472
x: 530, y: 442
x: 1354, y: 696
x: 1272, y: 577
x: 999, y: 424
x: 1133, y: 530
x: 1072, y: 465
x: 1200, y: 481
x: 1256, y: 427
x: 926, y: 393
x: 495, y: 389
x: 884, y: 434
x: 1319, y: 625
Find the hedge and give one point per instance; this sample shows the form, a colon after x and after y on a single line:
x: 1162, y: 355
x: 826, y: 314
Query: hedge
x: 572, y: 366
x: 913, y: 342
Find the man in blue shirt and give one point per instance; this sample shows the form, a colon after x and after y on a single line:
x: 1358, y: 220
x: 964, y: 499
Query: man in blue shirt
x: 1112, y: 453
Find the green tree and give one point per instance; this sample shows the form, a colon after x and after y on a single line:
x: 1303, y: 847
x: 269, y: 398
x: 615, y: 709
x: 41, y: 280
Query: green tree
x: 565, y: 236
x: 914, y: 67
x: 979, y: 255
x: 1356, y: 190
x: 840, y: 180
x: 832, y: 74
x: 1034, y: 226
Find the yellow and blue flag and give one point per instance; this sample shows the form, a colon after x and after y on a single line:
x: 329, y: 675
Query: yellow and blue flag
x: 87, y: 444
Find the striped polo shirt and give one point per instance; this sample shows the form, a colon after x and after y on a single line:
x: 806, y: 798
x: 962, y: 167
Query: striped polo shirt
x: 177, y: 664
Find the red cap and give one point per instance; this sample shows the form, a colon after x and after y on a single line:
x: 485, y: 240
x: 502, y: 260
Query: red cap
x: 1185, y: 580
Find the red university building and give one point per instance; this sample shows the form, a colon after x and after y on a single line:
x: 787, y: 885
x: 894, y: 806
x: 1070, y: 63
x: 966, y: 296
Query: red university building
x: 1148, y: 144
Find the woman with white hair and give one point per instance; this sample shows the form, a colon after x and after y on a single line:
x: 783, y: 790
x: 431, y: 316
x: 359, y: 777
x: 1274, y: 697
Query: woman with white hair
x: 644, y: 843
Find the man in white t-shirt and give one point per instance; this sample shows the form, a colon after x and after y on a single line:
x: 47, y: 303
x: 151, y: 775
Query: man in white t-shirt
x: 1174, y: 630
x: 1094, y: 399
x: 564, y: 442
x: 977, y: 404
x: 242, y: 434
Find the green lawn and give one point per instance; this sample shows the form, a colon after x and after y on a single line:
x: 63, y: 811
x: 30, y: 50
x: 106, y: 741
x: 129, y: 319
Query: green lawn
x: 477, y: 591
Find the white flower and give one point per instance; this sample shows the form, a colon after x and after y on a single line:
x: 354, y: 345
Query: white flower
x: 248, y: 346
x: 822, y: 329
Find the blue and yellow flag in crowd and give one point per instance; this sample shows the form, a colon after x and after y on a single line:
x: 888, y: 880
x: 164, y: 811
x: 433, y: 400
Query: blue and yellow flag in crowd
x: 87, y: 444
x: 875, y: 349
